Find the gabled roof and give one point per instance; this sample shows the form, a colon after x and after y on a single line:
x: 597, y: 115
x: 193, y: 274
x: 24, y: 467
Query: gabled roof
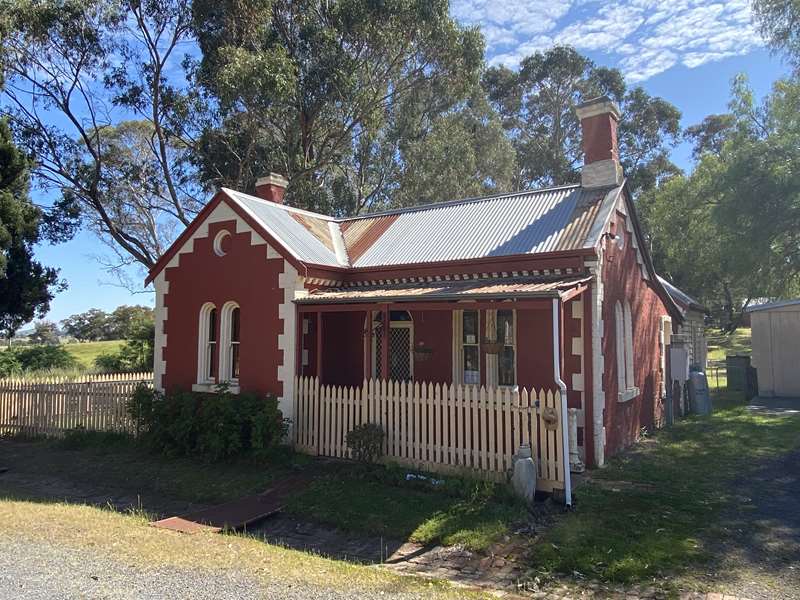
x: 681, y: 298
x: 532, y: 222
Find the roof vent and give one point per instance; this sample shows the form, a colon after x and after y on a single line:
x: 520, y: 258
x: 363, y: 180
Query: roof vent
x: 601, y: 167
x: 272, y: 187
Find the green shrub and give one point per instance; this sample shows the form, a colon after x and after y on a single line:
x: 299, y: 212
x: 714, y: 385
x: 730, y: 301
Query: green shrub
x: 366, y: 442
x: 9, y: 363
x: 45, y: 358
x: 215, y: 426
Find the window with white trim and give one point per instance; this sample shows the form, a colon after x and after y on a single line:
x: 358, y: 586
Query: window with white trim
x: 230, y: 329
x: 623, y: 323
x: 501, y: 368
x: 207, y: 344
x: 470, y: 347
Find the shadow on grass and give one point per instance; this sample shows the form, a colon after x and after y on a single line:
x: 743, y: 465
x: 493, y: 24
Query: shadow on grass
x: 633, y: 534
x: 357, y: 500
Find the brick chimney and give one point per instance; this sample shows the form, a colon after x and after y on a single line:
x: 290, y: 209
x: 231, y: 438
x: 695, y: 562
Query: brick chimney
x: 272, y: 187
x: 601, y: 167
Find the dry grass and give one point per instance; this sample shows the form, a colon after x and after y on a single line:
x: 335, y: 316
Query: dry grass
x: 128, y: 538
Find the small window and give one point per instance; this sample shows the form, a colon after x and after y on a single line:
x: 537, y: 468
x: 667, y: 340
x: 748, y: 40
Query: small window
x: 235, y: 343
x: 212, y: 344
x: 207, y: 344
x: 506, y: 371
x: 623, y: 327
x: 471, y: 349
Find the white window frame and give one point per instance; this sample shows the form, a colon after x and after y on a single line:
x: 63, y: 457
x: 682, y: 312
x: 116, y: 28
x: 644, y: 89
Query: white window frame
x: 226, y: 335
x: 204, y: 345
x: 493, y: 360
x: 623, y: 323
x: 458, y: 346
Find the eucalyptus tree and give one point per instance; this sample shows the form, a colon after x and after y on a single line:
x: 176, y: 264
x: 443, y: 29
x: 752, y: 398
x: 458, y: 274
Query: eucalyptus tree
x: 537, y: 105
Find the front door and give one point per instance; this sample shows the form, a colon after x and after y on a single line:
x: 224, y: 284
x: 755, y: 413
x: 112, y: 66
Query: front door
x: 401, y: 345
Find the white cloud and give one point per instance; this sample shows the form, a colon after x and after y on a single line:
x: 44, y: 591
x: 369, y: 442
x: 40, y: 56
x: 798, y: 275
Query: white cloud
x: 642, y: 37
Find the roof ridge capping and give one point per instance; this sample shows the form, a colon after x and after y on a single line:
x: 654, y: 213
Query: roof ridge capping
x: 446, y: 203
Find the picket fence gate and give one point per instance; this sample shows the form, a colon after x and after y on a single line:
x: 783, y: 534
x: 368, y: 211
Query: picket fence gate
x: 435, y: 427
x: 52, y: 406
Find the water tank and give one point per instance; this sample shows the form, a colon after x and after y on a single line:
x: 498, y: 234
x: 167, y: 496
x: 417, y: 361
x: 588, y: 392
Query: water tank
x: 699, y: 398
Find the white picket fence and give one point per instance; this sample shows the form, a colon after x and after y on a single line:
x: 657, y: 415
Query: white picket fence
x: 438, y: 428
x: 51, y: 406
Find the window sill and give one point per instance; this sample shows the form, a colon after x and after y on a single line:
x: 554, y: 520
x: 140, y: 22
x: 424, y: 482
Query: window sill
x: 628, y: 394
x: 211, y: 388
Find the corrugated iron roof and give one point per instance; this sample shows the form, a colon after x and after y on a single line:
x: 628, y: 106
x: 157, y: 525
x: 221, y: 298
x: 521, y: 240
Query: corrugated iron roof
x: 679, y: 296
x: 521, y: 223
x: 448, y: 290
x: 532, y: 222
x: 284, y: 223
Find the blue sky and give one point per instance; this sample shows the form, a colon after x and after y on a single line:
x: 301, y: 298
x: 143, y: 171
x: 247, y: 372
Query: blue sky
x: 686, y: 52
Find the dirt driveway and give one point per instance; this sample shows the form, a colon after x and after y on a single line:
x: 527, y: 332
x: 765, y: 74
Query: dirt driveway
x: 759, y: 552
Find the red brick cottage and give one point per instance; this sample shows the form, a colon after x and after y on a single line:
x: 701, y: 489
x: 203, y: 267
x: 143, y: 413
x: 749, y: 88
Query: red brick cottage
x: 549, y: 288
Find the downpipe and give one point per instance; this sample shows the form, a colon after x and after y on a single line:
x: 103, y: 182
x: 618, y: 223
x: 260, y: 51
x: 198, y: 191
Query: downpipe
x: 563, y: 387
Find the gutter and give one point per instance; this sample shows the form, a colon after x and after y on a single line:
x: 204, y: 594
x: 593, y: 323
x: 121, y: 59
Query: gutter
x: 563, y: 387
x: 429, y: 298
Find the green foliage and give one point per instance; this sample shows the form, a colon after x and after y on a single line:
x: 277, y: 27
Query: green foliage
x: 45, y: 332
x: 537, y: 108
x: 44, y: 358
x: 96, y: 324
x: 363, y: 92
x: 365, y: 442
x: 217, y: 426
x: 728, y: 233
x: 26, y: 286
x: 136, y: 354
x: 9, y: 363
x: 778, y: 21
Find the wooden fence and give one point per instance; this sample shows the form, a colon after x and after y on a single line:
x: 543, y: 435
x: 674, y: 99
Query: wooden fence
x: 52, y: 406
x: 438, y: 428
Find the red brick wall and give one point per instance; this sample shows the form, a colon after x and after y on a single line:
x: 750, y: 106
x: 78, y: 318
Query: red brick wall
x: 535, y: 347
x: 433, y: 329
x: 243, y: 275
x: 343, y: 348
x: 622, y: 279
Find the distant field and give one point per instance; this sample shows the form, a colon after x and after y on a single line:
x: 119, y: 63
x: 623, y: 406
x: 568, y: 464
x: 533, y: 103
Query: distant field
x: 720, y: 345
x: 86, y: 352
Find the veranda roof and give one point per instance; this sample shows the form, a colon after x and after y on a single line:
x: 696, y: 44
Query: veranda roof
x: 487, y: 289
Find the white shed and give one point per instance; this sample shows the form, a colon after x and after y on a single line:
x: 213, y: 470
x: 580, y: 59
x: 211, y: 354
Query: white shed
x: 776, y: 347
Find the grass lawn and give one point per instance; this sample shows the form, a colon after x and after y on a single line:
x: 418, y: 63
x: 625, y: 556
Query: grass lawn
x: 719, y: 346
x: 653, y: 511
x: 126, y: 540
x: 473, y: 514
x: 86, y: 352
x: 350, y: 497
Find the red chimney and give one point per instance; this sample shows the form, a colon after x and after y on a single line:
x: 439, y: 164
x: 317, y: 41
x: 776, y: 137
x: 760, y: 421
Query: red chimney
x: 601, y: 167
x: 272, y: 187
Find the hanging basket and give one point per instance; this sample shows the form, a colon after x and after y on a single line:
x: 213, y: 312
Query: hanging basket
x: 492, y: 347
x: 422, y: 354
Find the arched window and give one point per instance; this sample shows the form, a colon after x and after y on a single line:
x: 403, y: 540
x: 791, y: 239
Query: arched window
x: 623, y: 327
x: 629, y: 383
x: 230, y: 329
x: 207, y: 344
